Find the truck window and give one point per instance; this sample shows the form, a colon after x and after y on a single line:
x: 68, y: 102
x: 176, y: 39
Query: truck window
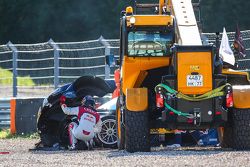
x: 144, y: 43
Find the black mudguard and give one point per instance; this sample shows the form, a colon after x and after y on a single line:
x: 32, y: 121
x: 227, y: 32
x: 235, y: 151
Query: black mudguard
x: 91, y: 85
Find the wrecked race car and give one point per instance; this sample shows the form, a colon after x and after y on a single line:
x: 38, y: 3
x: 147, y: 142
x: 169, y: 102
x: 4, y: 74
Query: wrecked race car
x: 52, y: 123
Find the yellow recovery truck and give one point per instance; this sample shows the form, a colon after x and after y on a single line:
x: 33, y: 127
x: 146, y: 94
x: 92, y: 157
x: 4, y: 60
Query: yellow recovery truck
x: 169, y: 80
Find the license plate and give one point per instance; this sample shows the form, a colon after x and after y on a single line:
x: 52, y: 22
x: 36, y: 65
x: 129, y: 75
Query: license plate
x: 194, y: 80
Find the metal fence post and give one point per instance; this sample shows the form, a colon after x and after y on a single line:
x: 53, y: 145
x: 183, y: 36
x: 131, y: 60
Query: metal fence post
x: 56, y: 62
x: 107, y: 52
x: 14, y: 66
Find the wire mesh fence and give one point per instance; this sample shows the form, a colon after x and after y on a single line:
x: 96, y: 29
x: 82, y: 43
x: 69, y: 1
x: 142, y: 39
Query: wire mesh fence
x: 36, y: 69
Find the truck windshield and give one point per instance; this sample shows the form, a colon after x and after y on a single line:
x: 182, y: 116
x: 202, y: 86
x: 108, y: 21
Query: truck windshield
x: 144, y: 43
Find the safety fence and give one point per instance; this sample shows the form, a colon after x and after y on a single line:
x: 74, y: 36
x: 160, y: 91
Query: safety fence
x: 34, y: 70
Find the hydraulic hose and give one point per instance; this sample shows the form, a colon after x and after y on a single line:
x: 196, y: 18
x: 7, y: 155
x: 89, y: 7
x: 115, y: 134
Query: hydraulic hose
x: 178, y: 112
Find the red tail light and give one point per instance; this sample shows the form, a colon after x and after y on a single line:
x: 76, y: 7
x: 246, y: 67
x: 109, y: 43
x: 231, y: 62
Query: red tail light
x: 171, y: 113
x: 159, y: 100
x: 229, y: 100
x: 217, y: 113
x: 189, y: 120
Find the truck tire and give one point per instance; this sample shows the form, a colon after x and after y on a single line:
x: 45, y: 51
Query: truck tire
x: 241, y: 129
x: 136, y: 131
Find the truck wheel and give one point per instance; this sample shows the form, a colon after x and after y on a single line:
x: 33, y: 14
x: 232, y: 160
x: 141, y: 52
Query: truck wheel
x: 136, y: 131
x: 241, y: 128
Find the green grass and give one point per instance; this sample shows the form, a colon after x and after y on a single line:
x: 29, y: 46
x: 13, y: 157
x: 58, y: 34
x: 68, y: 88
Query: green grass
x: 5, y: 134
x: 7, y: 81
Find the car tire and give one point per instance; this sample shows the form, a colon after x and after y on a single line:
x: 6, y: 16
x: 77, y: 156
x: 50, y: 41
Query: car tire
x: 108, y: 135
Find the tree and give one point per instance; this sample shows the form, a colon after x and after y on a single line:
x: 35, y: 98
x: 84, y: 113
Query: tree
x: 31, y: 21
x: 224, y: 13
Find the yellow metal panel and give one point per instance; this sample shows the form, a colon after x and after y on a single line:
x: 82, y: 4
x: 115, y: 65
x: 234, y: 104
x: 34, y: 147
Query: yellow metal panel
x: 133, y: 66
x: 241, y: 96
x: 151, y: 20
x: 137, y: 99
x: 234, y: 72
x: 161, y: 131
x: 198, y: 62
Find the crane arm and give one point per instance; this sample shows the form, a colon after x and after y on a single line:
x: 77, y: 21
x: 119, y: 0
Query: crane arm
x: 186, y: 25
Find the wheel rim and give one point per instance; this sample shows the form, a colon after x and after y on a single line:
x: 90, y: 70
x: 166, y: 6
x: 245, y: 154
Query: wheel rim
x: 108, y: 134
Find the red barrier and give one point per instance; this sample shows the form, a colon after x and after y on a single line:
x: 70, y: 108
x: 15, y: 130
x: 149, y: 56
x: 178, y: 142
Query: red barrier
x: 13, y: 116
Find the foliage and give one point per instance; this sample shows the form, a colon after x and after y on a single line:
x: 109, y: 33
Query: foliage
x: 5, y: 134
x: 30, y: 21
x: 21, y: 81
x: 218, y: 14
